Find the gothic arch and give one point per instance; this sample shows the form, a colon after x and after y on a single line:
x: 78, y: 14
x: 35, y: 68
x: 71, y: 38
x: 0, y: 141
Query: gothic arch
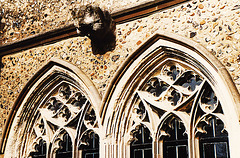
x: 59, y: 90
x: 125, y: 104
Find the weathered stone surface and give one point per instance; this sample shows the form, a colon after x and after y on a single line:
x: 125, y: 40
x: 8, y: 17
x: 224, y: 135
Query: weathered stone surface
x: 220, y: 35
x: 98, y: 25
x: 2, y: 24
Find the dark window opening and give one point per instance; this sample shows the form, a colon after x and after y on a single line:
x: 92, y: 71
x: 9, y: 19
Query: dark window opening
x: 141, y: 147
x: 65, y: 150
x: 176, y: 144
x: 40, y: 150
x: 90, y: 145
x: 214, y: 142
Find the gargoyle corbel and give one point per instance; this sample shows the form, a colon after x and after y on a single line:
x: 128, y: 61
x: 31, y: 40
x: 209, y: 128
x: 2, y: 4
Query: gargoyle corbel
x: 98, y: 25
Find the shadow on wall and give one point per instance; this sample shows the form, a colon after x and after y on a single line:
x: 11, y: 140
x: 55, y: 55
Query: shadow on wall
x: 96, y: 24
x: 2, y: 24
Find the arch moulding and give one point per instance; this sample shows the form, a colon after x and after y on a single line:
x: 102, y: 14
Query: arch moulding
x: 163, y: 48
x: 199, y: 54
x: 55, y: 73
x: 127, y: 92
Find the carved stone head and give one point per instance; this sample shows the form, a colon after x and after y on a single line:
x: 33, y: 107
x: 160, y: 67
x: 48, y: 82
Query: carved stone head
x: 98, y: 25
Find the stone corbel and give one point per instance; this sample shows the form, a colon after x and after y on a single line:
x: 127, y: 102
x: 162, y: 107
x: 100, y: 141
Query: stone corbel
x: 96, y: 24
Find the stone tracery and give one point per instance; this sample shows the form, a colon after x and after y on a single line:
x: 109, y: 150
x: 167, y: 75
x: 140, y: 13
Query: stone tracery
x: 59, y: 114
x: 171, y: 94
x: 176, y: 91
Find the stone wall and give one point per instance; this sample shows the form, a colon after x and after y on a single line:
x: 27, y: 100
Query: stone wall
x: 212, y: 23
x: 29, y: 17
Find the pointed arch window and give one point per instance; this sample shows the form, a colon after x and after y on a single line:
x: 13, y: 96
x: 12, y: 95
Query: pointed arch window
x: 59, y: 109
x: 175, y: 145
x: 214, y: 139
x: 40, y: 150
x: 173, y: 98
x: 90, y: 145
x: 170, y: 94
x: 141, y: 146
x: 65, y: 150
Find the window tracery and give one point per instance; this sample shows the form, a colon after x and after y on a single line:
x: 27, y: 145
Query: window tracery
x: 57, y: 121
x: 40, y: 150
x: 89, y: 145
x: 65, y: 147
x: 174, y: 93
x: 171, y: 100
x: 141, y: 145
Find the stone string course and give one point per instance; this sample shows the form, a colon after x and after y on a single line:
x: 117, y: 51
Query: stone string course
x: 29, y: 17
x: 212, y: 23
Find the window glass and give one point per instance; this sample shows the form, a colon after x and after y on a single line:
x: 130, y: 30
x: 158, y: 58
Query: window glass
x: 40, y: 150
x: 90, y: 145
x: 214, y: 141
x: 175, y: 145
x: 65, y: 150
x: 141, y: 147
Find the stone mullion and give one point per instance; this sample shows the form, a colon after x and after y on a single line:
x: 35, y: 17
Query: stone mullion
x: 193, y: 142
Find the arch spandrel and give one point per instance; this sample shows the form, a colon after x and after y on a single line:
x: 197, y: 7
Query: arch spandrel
x: 194, y: 54
x: 58, y: 90
x: 120, y: 101
x: 167, y: 76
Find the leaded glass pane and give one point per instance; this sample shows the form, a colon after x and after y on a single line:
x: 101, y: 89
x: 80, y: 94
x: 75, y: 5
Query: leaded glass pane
x: 65, y: 150
x: 175, y: 145
x: 214, y: 141
x: 40, y: 150
x: 141, y: 147
x: 90, y: 145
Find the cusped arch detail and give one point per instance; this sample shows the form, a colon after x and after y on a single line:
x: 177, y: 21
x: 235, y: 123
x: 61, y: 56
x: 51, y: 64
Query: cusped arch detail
x: 186, y: 51
x: 168, y: 118
x: 57, y: 83
x: 155, y: 55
